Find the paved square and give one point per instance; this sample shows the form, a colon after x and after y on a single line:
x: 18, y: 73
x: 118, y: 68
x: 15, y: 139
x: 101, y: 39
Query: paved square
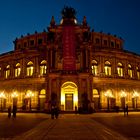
x: 97, y: 126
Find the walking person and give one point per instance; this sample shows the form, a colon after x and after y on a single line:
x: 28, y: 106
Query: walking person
x: 9, y: 112
x: 76, y: 111
x: 56, y: 112
x: 126, y: 109
x: 52, y: 111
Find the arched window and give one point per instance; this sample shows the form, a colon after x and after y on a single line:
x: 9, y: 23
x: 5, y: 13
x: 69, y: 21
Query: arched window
x: 94, y: 67
x: 107, y: 68
x: 17, y: 70
x: 7, y: 72
x: 30, y: 68
x: 138, y: 72
x: 130, y: 71
x: 95, y: 93
x: 43, y: 67
x: 43, y: 92
x: 120, y: 69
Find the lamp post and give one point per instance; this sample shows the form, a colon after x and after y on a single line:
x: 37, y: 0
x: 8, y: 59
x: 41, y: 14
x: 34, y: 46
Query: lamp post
x: 2, y: 96
x: 30, y: 95
x: 123, y: 96
x: 109, y: 95
x: 135, y: 96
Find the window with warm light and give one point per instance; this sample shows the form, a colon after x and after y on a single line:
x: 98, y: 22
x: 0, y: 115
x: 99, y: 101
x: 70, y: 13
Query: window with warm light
x: 95, y: 93
x: 7, y: 72
x: 107, y: 68
x: 94, y: 67
x: 30, y: 68
x: 130, y: 73
x: 17, y: 70
x: 120, y: 69
x: 138, y: 72
x: 42, y: 93
x: 43, y: 67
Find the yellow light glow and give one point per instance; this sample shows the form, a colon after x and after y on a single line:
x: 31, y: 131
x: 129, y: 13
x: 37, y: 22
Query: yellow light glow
x: 123, y: 94
x: 29, y: 94
x: 2, y: 95
x: 69, y: 88
x: 43, y: 91
x: 75, y: 99
x: 135, y: 94
x: 62, y: 98
x: 109, y: 94
x: 14, y: 94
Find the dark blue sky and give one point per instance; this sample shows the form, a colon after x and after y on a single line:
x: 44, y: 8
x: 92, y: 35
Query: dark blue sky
x: 120, y: 17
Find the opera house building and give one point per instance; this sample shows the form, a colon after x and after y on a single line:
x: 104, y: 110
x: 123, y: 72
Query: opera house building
x: 71, y: 66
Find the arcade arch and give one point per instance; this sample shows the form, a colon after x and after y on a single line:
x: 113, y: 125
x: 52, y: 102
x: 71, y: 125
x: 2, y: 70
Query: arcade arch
x: 69, y: 96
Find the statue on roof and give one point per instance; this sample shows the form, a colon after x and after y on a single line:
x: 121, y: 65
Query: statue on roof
x: 84, y: 21
x: 52, y: 23
x: 68, y: 12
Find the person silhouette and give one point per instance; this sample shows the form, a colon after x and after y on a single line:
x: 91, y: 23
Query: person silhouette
x: 9, y: 112
x: 14, y: 111
x: 52, y: 111
x: 56, y: 112
x: 126, y: 109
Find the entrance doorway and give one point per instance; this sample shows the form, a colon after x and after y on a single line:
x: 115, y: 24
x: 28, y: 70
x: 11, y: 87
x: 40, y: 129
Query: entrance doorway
x: 69, y: 96
x: 69, y: 102
x: 42, y: 99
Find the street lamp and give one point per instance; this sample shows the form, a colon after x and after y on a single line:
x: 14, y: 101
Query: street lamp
x: 123, y: 95
x: 109, y: 95
x: 135, y: 96
x: 2, y: 96
x: 30, y: 95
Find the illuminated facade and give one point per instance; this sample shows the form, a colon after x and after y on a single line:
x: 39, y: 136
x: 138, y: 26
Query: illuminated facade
x: 69, y: 66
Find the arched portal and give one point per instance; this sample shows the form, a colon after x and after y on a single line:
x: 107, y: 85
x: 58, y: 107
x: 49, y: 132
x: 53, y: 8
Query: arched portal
x: 69, y: 96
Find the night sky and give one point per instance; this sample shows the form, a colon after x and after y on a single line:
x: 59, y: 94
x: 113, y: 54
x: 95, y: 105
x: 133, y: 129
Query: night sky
x: 117, y: 17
